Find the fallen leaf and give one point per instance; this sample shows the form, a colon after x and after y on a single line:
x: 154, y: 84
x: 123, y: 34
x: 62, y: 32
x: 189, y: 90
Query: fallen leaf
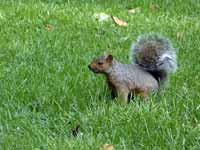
x: 107, y: 147
x: 119, y: 21
x: 154, y: 7
x: 179, y: 35
x: 134, y: 10
x: 101, y: 16
x: 49, y: 27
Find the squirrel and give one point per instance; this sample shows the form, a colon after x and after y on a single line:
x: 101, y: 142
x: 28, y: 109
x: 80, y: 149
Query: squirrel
x: 153, y: 59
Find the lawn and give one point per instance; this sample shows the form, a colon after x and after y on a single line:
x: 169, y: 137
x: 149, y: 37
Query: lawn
x: 46, y: 89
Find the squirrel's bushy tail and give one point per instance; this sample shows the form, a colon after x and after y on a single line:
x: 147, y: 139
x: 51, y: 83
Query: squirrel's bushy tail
x: 155, y: 54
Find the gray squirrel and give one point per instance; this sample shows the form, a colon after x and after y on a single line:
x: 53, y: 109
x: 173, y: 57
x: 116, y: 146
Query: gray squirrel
x: 153, y: 59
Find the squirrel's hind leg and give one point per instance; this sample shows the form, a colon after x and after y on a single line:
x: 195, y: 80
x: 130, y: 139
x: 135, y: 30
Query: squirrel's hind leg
x: 130, y: 97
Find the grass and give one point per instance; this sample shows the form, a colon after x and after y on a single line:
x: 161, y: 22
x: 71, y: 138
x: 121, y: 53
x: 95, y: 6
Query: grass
x: 46, y: 89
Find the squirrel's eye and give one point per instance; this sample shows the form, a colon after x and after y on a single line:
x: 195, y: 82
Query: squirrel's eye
x: 100, y: 63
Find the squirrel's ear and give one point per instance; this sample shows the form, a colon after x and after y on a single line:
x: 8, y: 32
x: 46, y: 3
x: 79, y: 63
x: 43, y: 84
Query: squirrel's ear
x: 109, y: 58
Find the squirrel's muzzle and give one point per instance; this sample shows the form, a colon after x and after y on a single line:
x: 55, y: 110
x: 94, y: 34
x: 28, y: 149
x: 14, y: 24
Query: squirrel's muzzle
x: 92, y: 69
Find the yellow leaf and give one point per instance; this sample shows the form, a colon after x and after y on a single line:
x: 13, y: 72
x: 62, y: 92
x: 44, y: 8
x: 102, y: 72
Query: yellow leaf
x: 107, y: 147
x: 119, y: 21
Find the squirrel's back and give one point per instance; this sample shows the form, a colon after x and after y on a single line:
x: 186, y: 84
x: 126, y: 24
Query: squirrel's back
x: 155, y: 54
x: 132, y: 75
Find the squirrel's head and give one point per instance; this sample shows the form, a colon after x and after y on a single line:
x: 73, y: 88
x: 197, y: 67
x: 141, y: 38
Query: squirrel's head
x: 101, y: 64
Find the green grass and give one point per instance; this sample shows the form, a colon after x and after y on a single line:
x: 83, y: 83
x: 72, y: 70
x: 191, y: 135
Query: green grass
x: 46, y: 89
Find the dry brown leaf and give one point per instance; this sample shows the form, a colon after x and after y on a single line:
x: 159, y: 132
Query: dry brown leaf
x: 49, y: 27
x: 107, y: 147
x: 119, y: 21
x: 154, y: 7
x: 179, y: 35
x: 134, y: 10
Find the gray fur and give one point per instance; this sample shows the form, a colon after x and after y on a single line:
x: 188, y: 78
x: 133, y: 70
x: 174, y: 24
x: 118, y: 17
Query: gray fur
x: 163, y: 59
x: 131, y: 76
